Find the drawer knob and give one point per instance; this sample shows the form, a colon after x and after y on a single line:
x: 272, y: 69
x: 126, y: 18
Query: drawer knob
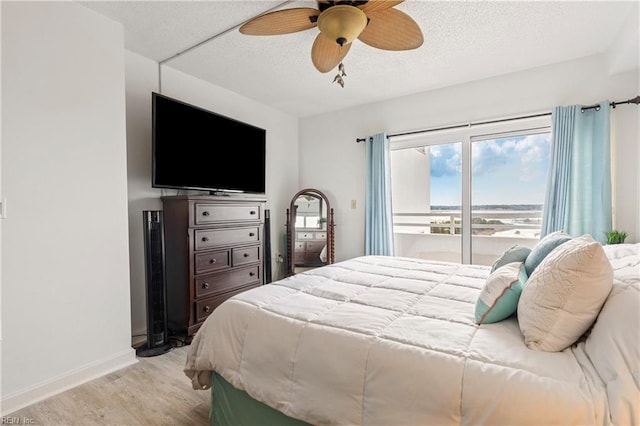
x: 246, y: 255
x: 251, y: 274
x: 205, y: 213
x: 252, y: 234
x: 205, y: 285
x: 252, y: 212
x: 212, y: 261
x: 207, y: 308
x: 205, y: 239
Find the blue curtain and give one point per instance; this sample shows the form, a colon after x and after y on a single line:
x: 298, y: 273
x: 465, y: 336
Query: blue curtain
x: 563, y: 121
x: 578, y: 197
x: 378, y: 215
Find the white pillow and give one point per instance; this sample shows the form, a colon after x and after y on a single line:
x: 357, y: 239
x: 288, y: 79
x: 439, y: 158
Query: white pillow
x: 564, y: 295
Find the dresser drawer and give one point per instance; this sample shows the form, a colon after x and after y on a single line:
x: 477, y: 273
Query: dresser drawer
x: 312, y: 258
x: 299, y: 246
x: 205, y: 307
x: 315, y: 246
x: 217, y: 213
x: 221, y: 282
x: 304, y: 235
x: 320, y: 235
x: 244, y: 255
x: 212, y: 261
x: 210, y: 238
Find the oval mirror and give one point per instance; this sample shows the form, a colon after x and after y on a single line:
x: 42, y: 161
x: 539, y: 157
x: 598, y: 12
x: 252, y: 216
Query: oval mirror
x: 310, y: 231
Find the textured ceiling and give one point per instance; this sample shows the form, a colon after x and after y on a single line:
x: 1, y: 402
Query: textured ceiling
x: 464, y: 41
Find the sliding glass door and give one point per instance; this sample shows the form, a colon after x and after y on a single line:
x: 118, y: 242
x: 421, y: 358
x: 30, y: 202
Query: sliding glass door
x: 466, y: 195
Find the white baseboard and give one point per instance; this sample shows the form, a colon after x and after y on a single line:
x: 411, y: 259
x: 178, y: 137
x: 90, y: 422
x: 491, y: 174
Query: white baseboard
x: 51, y: 387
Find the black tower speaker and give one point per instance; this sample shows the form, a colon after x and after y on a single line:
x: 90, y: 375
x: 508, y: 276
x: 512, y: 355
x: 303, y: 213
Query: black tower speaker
x: 267, y: 246
x: 157, y: 332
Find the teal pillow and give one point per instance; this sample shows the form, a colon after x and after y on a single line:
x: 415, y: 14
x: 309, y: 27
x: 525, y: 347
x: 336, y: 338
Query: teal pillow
x: 500, y: 294
x: 513, y: 254
x: 543, y: 248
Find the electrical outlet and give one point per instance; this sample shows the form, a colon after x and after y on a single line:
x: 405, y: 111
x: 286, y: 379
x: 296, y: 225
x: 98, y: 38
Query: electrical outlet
x: 353, y: 204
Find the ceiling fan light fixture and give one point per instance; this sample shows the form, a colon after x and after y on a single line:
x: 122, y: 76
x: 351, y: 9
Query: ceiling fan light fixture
x: 342, y: 23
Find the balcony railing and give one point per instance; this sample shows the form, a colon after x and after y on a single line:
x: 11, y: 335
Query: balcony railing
x: 436, y: 235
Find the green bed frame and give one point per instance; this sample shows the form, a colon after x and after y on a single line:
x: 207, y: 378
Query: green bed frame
x: 233, y: 407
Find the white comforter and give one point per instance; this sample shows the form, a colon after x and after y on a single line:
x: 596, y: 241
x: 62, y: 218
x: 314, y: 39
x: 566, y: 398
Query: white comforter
x: 392, y: 341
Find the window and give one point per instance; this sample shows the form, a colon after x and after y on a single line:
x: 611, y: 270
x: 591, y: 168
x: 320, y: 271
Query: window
x: 466, y: 195
x: 308, y: 212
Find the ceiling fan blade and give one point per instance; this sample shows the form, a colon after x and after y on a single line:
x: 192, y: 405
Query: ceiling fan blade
x: 392, y: 29
x: 283, y: 21
x: 326, y: 54
x: 379, y: 5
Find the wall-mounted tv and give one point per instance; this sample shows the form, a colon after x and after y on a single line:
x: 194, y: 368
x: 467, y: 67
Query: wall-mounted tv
x: 193, y: 148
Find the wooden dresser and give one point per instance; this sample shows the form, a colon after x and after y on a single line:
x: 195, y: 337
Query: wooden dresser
x: 213, y: 250
x: 308, y: 246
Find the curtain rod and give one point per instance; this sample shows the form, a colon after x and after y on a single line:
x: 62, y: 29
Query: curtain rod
x: 461, y: 126
x: 635, y: 100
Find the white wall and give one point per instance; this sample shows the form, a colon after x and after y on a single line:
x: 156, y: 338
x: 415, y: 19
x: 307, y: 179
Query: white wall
x: 65, y: 266
x: 282, y: 152
x: 410, y: 180
x: 331, y: 160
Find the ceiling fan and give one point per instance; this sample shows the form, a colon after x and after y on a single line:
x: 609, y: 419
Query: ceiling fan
x: 373, y: 22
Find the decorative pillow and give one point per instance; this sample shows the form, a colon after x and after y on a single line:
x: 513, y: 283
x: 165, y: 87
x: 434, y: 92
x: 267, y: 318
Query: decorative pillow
x: 499, y: 297
x: 564, y: 295
x: 513, y: 254
x: 543, y: 248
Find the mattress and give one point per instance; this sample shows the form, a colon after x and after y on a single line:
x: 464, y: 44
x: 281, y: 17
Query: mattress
x: 388, y: 340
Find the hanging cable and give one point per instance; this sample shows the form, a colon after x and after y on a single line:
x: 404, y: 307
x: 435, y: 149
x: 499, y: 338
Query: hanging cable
x: 208, y: 39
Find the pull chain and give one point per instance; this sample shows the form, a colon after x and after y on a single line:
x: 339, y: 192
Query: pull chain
x: 341, y: 73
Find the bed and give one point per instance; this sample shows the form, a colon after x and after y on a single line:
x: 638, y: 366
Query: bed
x: 379, y: 340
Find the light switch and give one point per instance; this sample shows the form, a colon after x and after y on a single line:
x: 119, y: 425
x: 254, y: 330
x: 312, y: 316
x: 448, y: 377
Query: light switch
x: 353, y: 204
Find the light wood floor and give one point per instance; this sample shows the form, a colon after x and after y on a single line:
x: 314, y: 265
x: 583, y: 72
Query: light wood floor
x: 154, y: 391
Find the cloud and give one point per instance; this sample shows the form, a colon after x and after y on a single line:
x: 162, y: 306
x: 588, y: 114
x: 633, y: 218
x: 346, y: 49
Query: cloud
x: 534, y: 148
x: 530, y: 154
x: 446, y: 160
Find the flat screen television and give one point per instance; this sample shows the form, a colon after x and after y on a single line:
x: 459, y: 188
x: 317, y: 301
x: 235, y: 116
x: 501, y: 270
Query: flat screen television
x: 193, y: 148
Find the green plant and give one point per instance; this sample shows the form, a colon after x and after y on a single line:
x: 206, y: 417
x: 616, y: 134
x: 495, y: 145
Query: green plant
x: 616, y: 237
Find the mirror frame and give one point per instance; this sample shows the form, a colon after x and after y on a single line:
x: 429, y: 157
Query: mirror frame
x: 291, y: 229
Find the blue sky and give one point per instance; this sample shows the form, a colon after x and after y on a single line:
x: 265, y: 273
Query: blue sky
x: 504, y: 171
